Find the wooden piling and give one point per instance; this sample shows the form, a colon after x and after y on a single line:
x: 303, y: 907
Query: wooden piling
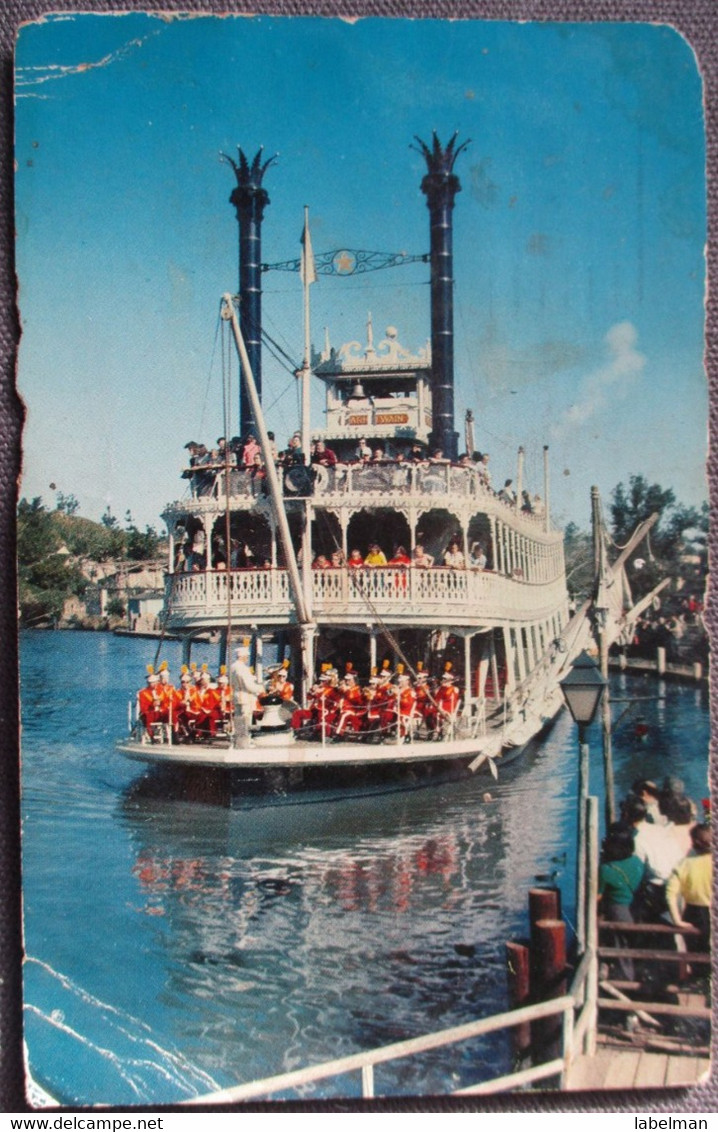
x: 518, y: 957
x: 544, y: 904
x: 548, y: 980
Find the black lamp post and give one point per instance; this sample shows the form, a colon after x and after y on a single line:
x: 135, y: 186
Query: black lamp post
x: 582, y: 690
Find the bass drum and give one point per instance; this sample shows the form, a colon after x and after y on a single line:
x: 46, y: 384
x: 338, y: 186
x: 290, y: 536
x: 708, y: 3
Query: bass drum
x: 298, y: 481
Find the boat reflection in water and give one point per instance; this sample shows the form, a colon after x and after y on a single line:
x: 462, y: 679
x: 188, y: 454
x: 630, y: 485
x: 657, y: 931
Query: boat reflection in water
x: 321, y: 924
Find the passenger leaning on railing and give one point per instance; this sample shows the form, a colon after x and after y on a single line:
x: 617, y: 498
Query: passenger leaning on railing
x: 421, y: 559
x: 454, y: 556
x: 375, y: 556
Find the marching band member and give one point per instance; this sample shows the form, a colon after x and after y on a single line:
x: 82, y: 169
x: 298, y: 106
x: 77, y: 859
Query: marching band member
x: 207, y: 700
x: 284, y: 687
x: 406, y: 703
x: 424, y: 707
x: 374, y: 705
x: 225, y: 700
x: 167, y: 694
x: 447, y: 700
x: 303, y: 717
x: 351, y: 704
x: 149, y: 702
x: 386, y: 694
x: 186, y: 707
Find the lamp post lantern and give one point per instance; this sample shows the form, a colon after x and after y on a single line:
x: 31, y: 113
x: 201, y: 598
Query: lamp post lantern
x: 582, y: 689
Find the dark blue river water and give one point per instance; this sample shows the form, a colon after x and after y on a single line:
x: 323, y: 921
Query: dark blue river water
x: 180, y: 940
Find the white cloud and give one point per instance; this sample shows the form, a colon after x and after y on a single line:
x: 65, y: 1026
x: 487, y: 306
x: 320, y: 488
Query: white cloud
x: 625, y: 363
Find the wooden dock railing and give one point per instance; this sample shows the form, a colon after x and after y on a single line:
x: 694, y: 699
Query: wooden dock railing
x: 566, y: 1006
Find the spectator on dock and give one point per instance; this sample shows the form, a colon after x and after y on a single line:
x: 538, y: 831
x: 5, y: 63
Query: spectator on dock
x: 660, y: 848
x: 689, y: 888
x: 648, y: 793
x: 619, y: 879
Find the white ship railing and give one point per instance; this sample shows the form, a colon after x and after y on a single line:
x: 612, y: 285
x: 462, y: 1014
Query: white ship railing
x: 389, y: 591
x: 352, y: 483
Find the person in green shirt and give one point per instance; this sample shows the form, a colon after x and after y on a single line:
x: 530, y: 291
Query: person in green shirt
x: 619, y: 878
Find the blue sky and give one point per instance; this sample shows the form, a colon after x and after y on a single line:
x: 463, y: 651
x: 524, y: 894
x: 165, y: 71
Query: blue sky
x: 579, y: 235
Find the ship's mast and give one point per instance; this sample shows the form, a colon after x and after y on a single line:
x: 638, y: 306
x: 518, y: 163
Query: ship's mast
x: 301, y: 602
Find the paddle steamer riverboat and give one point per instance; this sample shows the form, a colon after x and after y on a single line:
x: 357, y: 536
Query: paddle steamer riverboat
x: 473, y: 593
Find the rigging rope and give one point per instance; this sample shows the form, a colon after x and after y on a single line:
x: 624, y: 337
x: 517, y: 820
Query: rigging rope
x: 209, y: 373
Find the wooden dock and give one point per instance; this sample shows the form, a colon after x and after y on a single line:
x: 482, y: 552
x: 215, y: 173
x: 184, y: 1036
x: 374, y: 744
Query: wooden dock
x: 641, y: 1044
x: 694, y: 672
x: 613, y: 1067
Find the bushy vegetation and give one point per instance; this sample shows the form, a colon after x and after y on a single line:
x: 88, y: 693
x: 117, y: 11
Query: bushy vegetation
x: 52, y: 544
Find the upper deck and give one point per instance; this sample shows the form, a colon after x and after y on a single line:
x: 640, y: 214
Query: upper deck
x: 421, y: 486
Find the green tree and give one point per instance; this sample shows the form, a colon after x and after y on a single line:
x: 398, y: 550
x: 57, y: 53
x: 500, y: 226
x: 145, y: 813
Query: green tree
x: 141, y: 545
x: 45, y: 577
x: 678, y: 537
x: 67, y: 504
x: 578, y: 553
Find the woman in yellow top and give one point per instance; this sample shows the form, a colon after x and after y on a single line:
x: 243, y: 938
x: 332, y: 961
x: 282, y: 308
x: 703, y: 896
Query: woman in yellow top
x: 376, y: 556
x: 690, y: 887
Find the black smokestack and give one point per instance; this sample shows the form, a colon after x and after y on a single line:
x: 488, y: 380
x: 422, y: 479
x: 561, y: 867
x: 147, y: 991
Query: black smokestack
x: 441, y: 186
x: 250, y: 199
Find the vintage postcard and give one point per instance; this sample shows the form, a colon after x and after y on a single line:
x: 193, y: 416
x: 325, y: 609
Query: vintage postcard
x: 362, y: 551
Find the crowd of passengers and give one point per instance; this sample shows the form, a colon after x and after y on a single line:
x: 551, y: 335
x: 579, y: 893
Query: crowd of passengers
x: 191, y: 556
x: 246, y: 455
x: 656, y: 868
x: 201, y: 706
